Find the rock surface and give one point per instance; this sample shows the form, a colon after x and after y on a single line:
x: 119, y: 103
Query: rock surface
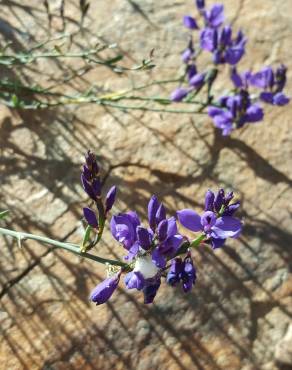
x: 238, y: 314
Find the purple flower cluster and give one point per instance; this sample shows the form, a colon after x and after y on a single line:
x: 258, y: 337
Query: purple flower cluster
x: 154, y: 252
x: 238, y: 107
x: 92, y: 185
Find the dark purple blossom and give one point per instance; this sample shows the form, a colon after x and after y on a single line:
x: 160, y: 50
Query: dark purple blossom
x: 92, y: 184
x: 90, y: 217
x: 182, y: 271
x: 103, y: 291
x: 110, y: 198
x: 150, y: 290
x: 200, y: 4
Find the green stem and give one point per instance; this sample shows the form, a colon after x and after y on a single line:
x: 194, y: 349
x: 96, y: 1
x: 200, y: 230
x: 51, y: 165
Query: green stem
x: 74, y: 248
x: 193, y: 244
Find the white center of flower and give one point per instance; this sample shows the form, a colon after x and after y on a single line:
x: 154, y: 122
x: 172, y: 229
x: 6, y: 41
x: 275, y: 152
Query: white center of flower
x: 146, y: 267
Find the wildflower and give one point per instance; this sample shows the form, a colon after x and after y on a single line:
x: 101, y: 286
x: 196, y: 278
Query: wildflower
x: 213, y: 17
x: 190, y: 22
x: 91, y: 182
x: 216, y: 225
x: 179, y: 94
x: 103, y: 291
x: 124, y: 230
x: 189, y: 52
x: 272, y: 84
x: 235, y: 111
x: 220, y: 43
x: 182, y: 271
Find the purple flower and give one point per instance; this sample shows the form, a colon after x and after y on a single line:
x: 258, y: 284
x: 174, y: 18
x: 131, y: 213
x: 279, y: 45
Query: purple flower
x: 174, y: 272
x: 198, y: 80
x: 190, y: 22
x: 188, y: 275
x: 134, y: 280
x: 220, y: 43
x: 215, y: 16
x: 124, y: 230
x: 179, y: 94
x: 216, y: 225
x: 103, y: 291
x: 240, y: 80
x: 144, y: 274
x: 90, y: 217
x: 188, y: 53
x: 200, y: 4
x: 273, y: 84
x: 235, y: 111
x: 191, y: 70
x: 110, y: 198
x: 169, y: 241
x: 150, y: 290
x: 182, y: 271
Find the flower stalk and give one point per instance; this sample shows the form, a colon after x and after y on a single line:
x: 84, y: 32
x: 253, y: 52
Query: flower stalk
x: 74, y: 248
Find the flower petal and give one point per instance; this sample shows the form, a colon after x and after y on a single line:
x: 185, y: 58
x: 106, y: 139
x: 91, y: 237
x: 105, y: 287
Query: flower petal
x: 190, y: 22
x: 90, y: 217
x: 158, y: 259
x: 190, y: 219
x: 103, y: 291
x: 227, y: 227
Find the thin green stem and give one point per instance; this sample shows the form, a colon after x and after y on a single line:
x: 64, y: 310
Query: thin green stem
x: 74, y: 248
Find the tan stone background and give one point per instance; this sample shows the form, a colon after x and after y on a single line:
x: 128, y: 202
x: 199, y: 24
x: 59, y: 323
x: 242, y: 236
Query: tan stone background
x: 240, y: 310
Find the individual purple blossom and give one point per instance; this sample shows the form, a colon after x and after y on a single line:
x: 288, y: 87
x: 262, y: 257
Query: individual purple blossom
x: 150, y: 290
x: 215, y: 225
x: 103, y: 291
x: 110, y: 198
x: 91, y: 182
x: 215, y: 16
x: 240, y: 80
x: 235, y: 111
x: 179, y: 94
x: 190, y: 22
x: 198, y: 80
x: 90, y: 217
x: 188, y: 53
x: 272, y: 83
x: 225, y: 49
x: 124, y: 230
x: 182, y: 271
x: 200, y: 4
x: 145, y: 276
x: 169, y: 241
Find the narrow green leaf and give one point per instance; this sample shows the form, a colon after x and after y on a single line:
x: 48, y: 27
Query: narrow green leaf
x: 85, y: 239
x: 3, y: 214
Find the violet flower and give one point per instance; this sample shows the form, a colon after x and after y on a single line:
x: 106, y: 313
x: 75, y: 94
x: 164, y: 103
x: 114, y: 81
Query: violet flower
x: 225, y: 49
x: 124, y: 230
x: 92, y: 185
x: 103, y: 291
x: 216, y: 224
x: 215, y: 16
x: 235, y: 111
x: 272, y: 84
x: 182, y: 271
